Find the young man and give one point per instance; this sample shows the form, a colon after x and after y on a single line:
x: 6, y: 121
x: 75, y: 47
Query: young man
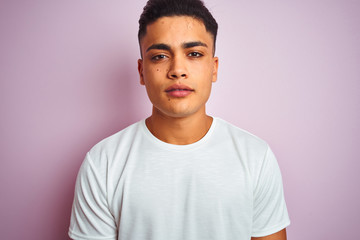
x: 179, y: 174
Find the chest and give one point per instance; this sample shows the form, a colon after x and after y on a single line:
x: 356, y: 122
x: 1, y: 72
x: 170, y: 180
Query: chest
x: 184, y: 184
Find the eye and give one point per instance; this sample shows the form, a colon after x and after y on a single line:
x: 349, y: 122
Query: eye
x: 195, y: 54
x: 158, y: 57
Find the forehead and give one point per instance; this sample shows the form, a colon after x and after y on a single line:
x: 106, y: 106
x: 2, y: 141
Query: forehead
x: 176, y: 30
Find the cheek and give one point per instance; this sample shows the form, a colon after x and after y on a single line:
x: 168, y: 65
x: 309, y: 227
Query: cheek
x: 152, y: 82
x: 154, y: 71
x: 204, y: 74
x: 203, y: 68
x: 207, y: 81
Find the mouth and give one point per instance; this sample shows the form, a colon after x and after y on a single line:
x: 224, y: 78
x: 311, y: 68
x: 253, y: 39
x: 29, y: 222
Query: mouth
x: 179, y: 90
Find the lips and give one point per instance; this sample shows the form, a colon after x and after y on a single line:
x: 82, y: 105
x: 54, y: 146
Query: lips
x: 179, y: 90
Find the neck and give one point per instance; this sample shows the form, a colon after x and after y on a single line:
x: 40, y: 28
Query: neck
x: 179, y: 130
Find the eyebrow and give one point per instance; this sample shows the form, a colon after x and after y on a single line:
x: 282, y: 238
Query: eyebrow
x: 163, y: 46
x: 193, y: 44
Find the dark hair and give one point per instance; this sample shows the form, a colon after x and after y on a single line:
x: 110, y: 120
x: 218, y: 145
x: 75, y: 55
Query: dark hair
x: 155, y: 9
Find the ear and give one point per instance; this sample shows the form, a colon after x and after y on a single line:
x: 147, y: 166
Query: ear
x: 215, y: 69
x: 140, y: 70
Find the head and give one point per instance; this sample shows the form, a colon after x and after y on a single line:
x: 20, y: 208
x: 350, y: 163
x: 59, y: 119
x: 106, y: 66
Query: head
x: 156, y: 9
x: 177, y: 64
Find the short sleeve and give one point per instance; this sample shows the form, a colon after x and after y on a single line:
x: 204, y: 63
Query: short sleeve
x: 90, y: 216
x: 270, y: 212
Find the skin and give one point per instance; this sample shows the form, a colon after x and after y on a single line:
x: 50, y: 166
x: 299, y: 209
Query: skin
x: 281, y: 235
x: 179, y: 50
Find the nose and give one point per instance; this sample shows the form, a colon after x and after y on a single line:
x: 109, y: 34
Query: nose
x: 177, y: 69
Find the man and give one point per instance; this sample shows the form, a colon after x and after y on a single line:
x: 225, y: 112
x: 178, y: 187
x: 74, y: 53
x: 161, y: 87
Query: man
x: 179, y: 174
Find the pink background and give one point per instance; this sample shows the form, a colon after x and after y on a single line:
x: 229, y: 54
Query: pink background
x: 289, y: 73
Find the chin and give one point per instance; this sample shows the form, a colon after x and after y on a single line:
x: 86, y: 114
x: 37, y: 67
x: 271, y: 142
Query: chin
x: 179, y: 113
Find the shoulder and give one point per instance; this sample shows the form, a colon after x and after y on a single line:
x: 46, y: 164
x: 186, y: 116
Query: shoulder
x: 251, y: 150
x: 119, y: 141
x: 239, y: 136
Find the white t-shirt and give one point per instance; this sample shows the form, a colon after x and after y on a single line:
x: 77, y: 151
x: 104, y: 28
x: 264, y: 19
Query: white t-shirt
x: 132, y: 186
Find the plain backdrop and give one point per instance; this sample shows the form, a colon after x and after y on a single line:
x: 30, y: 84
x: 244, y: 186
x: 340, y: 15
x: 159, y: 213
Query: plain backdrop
x: 289, y: 73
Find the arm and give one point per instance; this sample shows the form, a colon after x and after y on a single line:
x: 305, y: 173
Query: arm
x: 281, y: 235
x: 270, y: 212
x: 90, y: 215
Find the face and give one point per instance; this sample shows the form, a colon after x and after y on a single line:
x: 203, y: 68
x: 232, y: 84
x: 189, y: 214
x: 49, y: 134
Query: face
x: 178, y: 67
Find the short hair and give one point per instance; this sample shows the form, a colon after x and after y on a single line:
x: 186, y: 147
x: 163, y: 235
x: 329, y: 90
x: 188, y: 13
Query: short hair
x: 155, y: 9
